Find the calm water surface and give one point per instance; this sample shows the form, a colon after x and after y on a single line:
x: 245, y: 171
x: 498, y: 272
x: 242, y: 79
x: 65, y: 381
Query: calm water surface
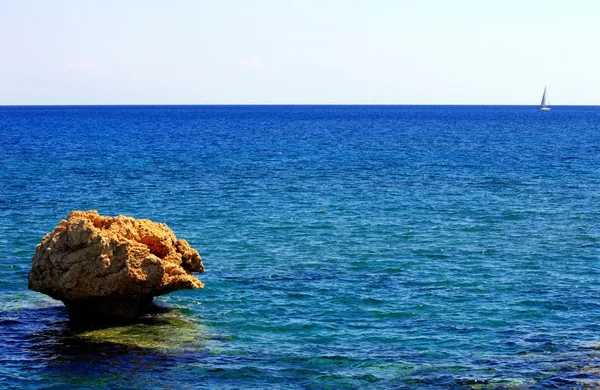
x: 411, y: 247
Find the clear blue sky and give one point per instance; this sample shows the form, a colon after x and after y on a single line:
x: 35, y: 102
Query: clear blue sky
x: 299, y: 52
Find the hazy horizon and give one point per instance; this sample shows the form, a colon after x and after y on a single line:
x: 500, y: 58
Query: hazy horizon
x: 287, y: 104
x: 236, y: 52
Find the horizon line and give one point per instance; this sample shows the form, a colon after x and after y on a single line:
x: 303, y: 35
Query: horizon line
x: 289, y: 104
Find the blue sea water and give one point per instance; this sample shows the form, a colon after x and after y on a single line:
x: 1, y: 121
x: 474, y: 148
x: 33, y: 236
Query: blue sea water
x: 417, y: 247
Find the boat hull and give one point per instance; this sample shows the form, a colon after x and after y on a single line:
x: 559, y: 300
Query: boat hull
x: 544, y: 108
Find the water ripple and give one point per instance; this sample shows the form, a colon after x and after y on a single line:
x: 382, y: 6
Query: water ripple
x: 359, y: 247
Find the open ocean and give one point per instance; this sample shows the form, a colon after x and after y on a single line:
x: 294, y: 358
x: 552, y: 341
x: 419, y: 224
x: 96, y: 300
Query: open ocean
x: 372, y: 247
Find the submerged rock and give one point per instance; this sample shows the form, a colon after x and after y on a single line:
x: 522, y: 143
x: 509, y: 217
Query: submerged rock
x: 111, y: 268
x: 167, y: 333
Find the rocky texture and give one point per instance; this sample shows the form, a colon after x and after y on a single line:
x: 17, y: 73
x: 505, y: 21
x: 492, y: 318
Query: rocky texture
x: 104, y: 267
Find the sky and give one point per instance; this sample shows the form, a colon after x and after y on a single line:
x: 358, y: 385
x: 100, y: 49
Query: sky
x: 299, y: 52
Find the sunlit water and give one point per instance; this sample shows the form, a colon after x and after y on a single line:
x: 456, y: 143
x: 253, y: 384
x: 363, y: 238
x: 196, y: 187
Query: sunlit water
x: 345, y: 246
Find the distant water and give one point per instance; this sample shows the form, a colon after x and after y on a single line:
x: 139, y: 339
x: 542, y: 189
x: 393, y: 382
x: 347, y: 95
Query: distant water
x: 414, y: 247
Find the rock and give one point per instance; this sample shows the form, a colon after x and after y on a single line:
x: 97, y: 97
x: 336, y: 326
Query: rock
x: 111, y: 268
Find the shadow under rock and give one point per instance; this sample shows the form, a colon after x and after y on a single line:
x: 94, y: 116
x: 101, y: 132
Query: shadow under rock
x: 47, y: 338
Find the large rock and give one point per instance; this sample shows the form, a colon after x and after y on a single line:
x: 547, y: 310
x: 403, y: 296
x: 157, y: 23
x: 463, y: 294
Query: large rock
x: 103, y: 267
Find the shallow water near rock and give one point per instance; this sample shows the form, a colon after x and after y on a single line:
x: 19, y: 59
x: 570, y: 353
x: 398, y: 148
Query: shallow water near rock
x: 408, y: 247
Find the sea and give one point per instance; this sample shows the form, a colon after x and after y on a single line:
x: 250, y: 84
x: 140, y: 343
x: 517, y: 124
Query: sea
x: 345, y: 247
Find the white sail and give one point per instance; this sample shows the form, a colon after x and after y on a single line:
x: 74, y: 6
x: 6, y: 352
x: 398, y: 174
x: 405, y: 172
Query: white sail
x: 544, y: 99
x: 544, y: 105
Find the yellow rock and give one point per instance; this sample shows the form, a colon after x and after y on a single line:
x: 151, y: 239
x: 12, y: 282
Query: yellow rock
x: 112, y: 266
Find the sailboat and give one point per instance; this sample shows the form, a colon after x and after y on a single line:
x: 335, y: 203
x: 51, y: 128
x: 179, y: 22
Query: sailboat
x: 544, y: 105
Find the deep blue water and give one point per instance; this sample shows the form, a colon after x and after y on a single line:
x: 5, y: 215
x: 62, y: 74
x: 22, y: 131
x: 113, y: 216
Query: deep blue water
x: 408, y: 247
